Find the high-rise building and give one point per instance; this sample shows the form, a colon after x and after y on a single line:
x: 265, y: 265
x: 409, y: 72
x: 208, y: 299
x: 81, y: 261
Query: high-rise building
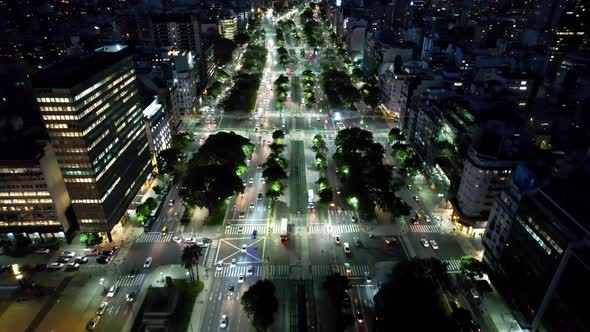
x: 90, y: 107
x: 536, y: 245
x: 228, y: 26
x: 34, y: 201
x: 180, y: 32
x: 157, y: 127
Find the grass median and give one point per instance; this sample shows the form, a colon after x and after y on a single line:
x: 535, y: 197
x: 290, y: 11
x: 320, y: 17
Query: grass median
x: 187, y: 295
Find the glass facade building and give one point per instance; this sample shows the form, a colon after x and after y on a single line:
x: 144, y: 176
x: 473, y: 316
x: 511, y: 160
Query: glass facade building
x: 91, y: 110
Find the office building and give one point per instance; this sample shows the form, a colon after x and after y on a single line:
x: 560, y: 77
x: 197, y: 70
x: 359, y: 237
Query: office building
x: 34, y: 201
x: 90, y: 107
x: 228, y: 26
x: 181, y: 32
x: 157, y: 127
x: 536, y: 245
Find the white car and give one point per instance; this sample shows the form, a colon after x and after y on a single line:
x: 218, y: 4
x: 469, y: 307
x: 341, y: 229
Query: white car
x: 425, y: 243
x: 241, y: 278
x: 347, y: 248
x: 68, y: 254
x: 148, y: 263
x: 55, y: 266
x: 219, y: 266
x: 189, y: 240
x: 176, y: 239
x: 81, y: 259
x: 42, y: 251
x: 244, y: 247
x: 72, y: 266
x: 428, y: 219
x: 250, y: 270
x: 233, y: 262
x: 223, y: 321
x: 112, y: 291
x: 251, y: 180
x: 433, y: 245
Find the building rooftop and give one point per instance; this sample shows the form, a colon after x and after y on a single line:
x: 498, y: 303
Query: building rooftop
x: 73, y: 71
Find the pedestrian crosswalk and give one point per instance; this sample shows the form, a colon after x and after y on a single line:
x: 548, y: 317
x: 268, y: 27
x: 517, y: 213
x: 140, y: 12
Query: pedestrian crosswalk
x: 131, y: 281
x: 432, y: 228
x: 284, y: 271
x: 154, y: 237
x: 235, y: 271
x: 453, y: 265
x: 261, y: 229
x: 211, y: 252
x: 342, y: 212
x: 333, y: 229
x: 325, y: 270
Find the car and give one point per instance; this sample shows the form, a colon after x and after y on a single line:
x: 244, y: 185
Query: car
x: 131, y: 273
x: 254, y: 234
x: 409, y: 186
x: 347, y: 267
x: 102, y: 259
x: 189, y: 240
x: 390, y: 241
x: 244, y: 247
x: 101, y: 308
x: 251, y: 206
x: 112, y: 291
x: 418, y: 216
x: 438, y: 218
x: 433, y: 245
x: 310, y: 205
x: 171, y: 202
x: 63, y: 259
x: 414, y: 221
x: 284, y: 237
x: 250, y: 270
x: 360, y: 318
x: 130, y: 297
x: 81, y: 259
x: 176, y: 239
x: 72, y: 266
x: 164, y: 230
x: 219, y: 266
x: 202, y: 243
x: 416, y: 198
x: 223, y: 321
x: 148, y: 262
x: 42, y: 251
x: 474, y: 293
x: 242, y: 214
x: 40, y: 267
x: 424, y: 243
x: 108, y: 252
x: 337, y: 240
x: 233, y: 262
x: 68, y: 254
x: 368, y: 279
x: 241, y: 278
x: 230, y: 290
x: 55, y: 266
x: 346, y: 297
x: 357, y: 242
x: 92, y: 323
x: 251, y: 180
x: 353, y: 219
x: 428, y: 219
x: 260, y: 196
x: 347, y: 248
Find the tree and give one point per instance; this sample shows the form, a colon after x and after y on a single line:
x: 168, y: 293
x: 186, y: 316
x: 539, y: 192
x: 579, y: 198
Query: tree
x: 189, y: 258
x: 278, y: 135
x: 260, y: 302
x: 274, y: 173
x: 319, y: 144
x: 412, y: 165
x: 223, y: 50
x: 472, y: 268
x: 395, y: 134
x: 336, y: 285
x: 168, y: 160
x: 401, y: 151
x: 208, y: 186
x: 90, y: 239
x: 22, y: 241
x: 241, y: 38
x: 326, y: 195
x: 214, y: 89
x: 275, y: 190
x: 413, y: 284
x: 158, y: 189
x: 277, y: 148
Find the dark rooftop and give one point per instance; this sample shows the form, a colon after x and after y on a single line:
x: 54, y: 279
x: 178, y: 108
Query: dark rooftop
x: 73, y: 71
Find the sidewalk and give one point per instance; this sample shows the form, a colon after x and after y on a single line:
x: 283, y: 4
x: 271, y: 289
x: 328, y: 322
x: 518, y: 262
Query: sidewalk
x: 201, y: 302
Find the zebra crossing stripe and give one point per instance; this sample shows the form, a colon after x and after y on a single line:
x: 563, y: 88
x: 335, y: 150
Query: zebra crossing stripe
x: 129, y: 281
x: 425, y: 228
x: 453, y: 264
x: 154, y: 237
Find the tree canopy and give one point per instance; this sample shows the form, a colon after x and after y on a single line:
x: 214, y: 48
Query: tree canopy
x: 413, y: 284
x: 260, y: 303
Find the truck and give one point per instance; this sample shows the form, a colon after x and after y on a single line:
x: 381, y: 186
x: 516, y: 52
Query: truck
x: 310, y: 198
